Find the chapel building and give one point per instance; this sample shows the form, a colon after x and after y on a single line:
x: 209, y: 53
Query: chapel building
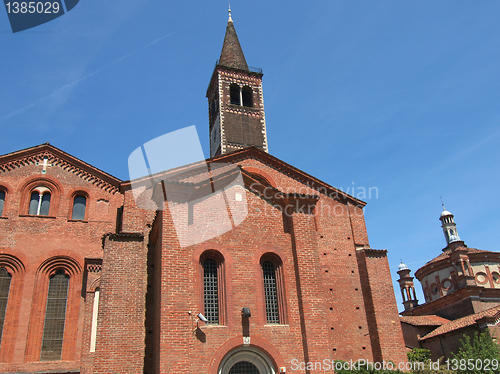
x: 461, y: 288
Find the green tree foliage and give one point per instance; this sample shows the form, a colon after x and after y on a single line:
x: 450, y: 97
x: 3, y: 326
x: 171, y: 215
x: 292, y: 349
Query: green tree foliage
x: 476, y: 355
x: 419, y: 355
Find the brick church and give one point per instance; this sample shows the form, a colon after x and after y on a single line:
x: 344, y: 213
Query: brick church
x: 462, y: 295
x: 93, y: 282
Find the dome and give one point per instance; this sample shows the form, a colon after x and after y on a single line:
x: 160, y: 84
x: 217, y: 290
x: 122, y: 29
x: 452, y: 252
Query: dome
x: 402, y: 266
x: 445, y: 213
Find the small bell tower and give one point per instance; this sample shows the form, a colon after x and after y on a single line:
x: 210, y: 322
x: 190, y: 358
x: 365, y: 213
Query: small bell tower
x: 449, y: 227
x: 407, y: 287
x: 235, y: 101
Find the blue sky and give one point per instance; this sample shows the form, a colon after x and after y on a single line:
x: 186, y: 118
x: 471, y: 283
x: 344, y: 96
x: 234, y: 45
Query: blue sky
x: 399, y: 96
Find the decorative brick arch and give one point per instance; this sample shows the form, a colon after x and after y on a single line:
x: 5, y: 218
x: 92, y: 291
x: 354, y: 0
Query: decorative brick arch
x: 94, y: 285
x: 261, y: 175
x: 7, y: 188
x: 70, y: 197
x: 11, y: 263
x: 67, y: 263
x: 15, y: 267
x: 40, y: 181
x: 236, y: 343
x: 48, y: 267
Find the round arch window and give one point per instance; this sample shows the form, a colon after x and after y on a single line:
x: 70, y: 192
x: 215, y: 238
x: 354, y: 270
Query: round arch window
x: 244, y: 367
x: 246, y: 360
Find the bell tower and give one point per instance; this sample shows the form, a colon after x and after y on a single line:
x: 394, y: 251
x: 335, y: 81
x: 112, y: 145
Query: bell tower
x: 235, y: 101
x: 407, y: 288
x: 449, y: 227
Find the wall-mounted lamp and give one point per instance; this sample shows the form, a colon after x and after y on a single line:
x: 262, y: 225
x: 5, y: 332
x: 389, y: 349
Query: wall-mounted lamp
x: 202, y: 317
x: 245, y: 312
x: 199, y: 317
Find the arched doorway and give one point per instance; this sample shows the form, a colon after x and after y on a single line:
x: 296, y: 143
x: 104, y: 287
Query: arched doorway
x: 246, y: 360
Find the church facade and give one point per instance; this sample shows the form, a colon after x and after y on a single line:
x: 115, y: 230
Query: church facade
x: 461, y: 287
x: 92, y: 282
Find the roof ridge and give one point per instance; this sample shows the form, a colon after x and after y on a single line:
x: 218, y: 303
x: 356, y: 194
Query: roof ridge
x: 66, y: 161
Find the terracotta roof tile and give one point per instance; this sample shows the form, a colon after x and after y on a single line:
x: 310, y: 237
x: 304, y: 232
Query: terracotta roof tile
x: 463, y: 322
x: 446, y: 254
x: 429, y: 320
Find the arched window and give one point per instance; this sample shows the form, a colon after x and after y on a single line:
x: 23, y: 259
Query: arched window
x: 273, y: 289
x: 2, y: 201
x: 5, y: 279
x: 270, y: 292
x: 211, y: 290
x: 234, y: 93
x: 244, y: 367
x: 40, y: 202
x: 246, y: 360
x: 55, y: 316
x: 246, y: 95
x: 79, y: 207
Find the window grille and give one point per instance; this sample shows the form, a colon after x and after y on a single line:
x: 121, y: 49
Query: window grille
x: 270, y: 292
x: 55, y: 315
x: 244, y: 367
x: 211, y: 291
x: 5, y: 279
x: 79, y: 206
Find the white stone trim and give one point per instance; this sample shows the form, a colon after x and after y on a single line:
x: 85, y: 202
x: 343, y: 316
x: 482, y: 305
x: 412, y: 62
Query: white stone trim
x: 93, y: 329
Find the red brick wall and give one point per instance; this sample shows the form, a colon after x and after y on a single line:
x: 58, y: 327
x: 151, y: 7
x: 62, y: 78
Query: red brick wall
x: 383, y: 318
x: 337, y: 303
x: 33, y: 247
x: 120, y: 331
x: 321, y: 280
x: 446, y: 345
x: 411, y: 335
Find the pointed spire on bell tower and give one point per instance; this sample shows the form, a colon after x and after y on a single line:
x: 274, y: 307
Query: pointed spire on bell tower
x: 235, y: 100
x: 232, y: 55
